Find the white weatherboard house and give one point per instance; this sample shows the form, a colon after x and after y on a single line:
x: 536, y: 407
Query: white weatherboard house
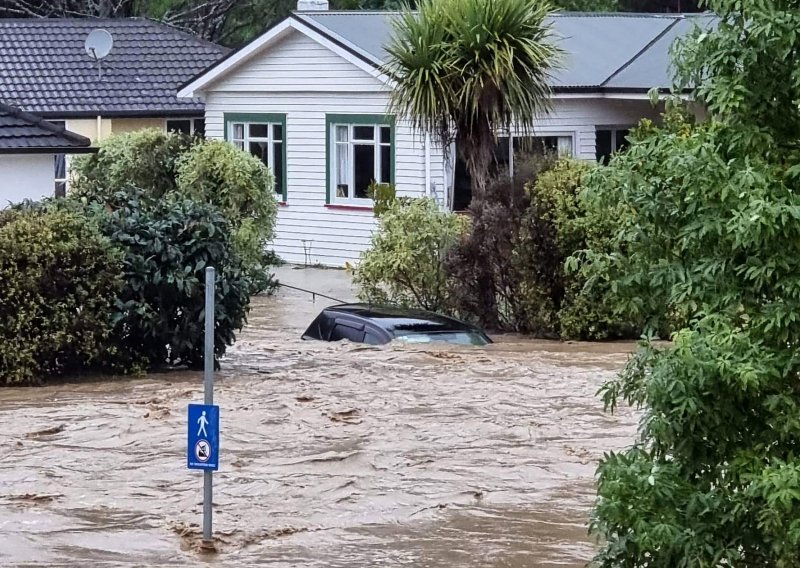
x: 309, y: 99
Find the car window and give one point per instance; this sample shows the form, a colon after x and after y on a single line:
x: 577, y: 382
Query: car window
x: 372, y: 338
x: 343, y: 331
x: 458, y: 337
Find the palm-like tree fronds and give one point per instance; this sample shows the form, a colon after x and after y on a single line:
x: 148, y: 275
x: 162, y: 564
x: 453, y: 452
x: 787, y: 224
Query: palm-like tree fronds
x: 465, y: 69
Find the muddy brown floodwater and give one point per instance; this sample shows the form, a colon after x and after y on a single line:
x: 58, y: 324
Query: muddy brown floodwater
x: 334, y: 455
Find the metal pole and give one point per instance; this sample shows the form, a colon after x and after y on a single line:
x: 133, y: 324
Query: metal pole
x: 208, y: 383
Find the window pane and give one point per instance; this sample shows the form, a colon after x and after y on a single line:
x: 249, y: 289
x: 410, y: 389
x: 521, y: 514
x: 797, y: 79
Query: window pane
x: 258, y: 130
x: 565, y: 145
x: 342, y: 170
x: 364, y: 132
x: 261, y: 151
x: 622, y: 140
x: 603, y: 146
x: 239, y: 144
x: 277, y: 169
x: 200, y: 127
x: 277, y: 132
x: 364, y: 170
x: 501, y: 152
x: 60, y: 166
x: 341, y: 133
x: 179, y: 126
x: 238, y: 131
x: 386, y: 164
x: 61, y: 189
x: 386, y: 134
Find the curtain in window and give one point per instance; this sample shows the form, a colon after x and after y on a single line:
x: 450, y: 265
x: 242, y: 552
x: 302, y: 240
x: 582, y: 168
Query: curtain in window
x: 342, y: 162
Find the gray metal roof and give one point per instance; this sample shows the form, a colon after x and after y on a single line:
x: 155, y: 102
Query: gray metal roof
x: 602, y: 50
x: 44, y: 68
x: 23, y: 132
x: 653, y: 67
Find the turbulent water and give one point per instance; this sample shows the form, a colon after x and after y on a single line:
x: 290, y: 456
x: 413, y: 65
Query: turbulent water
x: 332, y: 454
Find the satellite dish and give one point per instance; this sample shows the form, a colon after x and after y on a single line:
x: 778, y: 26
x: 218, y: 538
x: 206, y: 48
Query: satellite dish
x: 98, y: 44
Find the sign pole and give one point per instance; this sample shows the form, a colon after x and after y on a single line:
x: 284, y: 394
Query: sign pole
x: 208, y: 383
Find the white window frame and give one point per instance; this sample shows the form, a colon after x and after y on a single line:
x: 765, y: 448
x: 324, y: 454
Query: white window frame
x: 243, y: 143
x: 334, y: 149
x: 571, y: 135
x: 192, y: 123
x: 65, y: 179
x: 614, y: 129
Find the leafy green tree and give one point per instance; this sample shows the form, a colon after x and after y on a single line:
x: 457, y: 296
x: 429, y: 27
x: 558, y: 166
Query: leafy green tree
x: 466, y: 69
x: 713, y: 231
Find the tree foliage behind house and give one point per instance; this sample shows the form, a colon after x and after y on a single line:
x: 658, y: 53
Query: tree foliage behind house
x: 714, y: 479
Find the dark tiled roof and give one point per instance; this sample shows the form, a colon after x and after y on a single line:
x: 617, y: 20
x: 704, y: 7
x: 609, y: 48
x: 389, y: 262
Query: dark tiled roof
x: 44, y: 68
x: 23, y: 132
x: 598, y: 47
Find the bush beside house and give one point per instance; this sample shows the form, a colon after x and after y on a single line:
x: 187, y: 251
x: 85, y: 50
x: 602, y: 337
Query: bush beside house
x: 504, y: 265
x: 113, y: 277
x: 60, y: 279
x: 152, y: 164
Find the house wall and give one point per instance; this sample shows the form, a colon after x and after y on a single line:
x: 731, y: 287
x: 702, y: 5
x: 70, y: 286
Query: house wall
x: 120, y: 125
x: 25, y: 176
x: 305, y: 81
x: 88, y: 127
x: 108, y: 126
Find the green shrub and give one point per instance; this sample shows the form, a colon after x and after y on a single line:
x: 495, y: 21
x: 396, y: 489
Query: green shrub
x: 556, y: 225
x: 145, y: 159
x: 159, y: 316
x: 242, y: 187
x: 405, y: 264
x: 59, y: 277
x: 382, y: 195
x: 150, y: 165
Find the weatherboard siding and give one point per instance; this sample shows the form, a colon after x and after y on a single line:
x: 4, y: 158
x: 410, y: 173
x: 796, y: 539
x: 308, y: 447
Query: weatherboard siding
x: 298, y: 63
x: 333, y: 235
x: 305, y: 81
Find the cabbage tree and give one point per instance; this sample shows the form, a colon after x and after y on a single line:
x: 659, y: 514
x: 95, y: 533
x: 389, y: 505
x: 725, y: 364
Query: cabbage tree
x: 466, y: 69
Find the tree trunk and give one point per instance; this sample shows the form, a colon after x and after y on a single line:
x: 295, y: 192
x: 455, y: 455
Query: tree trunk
x: 475, y: 144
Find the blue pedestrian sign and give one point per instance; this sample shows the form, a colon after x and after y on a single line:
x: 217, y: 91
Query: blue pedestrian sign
x: 203, y: 447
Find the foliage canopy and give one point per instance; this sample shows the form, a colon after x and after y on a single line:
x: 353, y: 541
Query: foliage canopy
x: 405, y: 264
x: 714, y: 232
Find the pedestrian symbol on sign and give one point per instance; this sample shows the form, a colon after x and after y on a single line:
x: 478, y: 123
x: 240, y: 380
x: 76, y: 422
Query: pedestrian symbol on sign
x: 202, y: 421
x: 203, y: 444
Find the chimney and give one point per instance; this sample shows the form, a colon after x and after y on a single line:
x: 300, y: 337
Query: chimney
x: 311, y: 5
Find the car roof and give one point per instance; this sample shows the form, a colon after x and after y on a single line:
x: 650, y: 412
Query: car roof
x: 396, y: 319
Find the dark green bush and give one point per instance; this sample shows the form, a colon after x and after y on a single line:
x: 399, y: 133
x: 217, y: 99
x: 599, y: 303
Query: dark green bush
x: 486, y: 280
x: 59, y: 278
x: 509, y: 273
x: 159, y: 317
x: 152, y: 164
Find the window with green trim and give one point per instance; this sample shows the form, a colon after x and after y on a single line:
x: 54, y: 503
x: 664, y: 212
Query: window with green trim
x: 360, y: 151
x: 265, y: 138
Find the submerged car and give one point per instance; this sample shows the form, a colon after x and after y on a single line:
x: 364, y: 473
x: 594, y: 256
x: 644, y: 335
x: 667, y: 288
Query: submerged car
x: 377, y: 325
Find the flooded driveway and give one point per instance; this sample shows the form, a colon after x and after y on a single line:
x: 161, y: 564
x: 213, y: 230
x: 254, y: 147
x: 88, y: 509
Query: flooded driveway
x: 334, y: 455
